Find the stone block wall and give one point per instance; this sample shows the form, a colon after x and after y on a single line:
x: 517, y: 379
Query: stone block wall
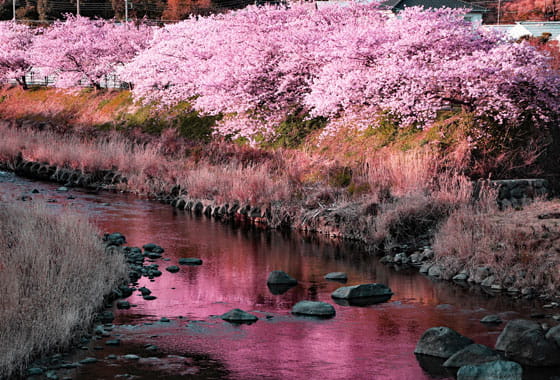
x: 519, y: 192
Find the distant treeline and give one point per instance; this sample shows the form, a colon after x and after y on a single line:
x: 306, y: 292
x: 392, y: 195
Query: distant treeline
x: 165, y: 10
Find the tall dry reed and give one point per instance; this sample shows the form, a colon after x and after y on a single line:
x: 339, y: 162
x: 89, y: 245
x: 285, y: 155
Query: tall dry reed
x: 54, y: 273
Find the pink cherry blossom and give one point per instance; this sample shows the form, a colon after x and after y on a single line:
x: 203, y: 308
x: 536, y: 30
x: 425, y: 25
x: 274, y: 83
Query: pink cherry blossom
x: 15, y: 42
x: 81, y: 49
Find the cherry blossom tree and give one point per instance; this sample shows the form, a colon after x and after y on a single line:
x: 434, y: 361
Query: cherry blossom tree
x: 81, y: 49
x: 16, y: 41
x: 257, y: 65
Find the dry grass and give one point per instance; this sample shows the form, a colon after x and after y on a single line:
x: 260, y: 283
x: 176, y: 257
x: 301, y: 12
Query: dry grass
x: 79, y: 108
x: 522, y: 249
x: 54, y: 274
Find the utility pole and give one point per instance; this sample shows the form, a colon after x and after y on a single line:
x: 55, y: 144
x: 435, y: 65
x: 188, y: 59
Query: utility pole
x: 499, y: 9
x: 77, y: 7
x: 14, y: 10
x: 126, y: 11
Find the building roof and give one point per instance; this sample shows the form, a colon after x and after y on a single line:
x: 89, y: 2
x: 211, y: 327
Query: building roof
x: 397, y: 5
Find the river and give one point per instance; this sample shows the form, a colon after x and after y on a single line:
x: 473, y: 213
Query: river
x: 373, y: 342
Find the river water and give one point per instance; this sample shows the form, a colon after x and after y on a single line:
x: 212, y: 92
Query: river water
x: 373, y: 342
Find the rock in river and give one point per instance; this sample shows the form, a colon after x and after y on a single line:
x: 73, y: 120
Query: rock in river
x: 190, y: 261
x: 491, y: 319
x: 313, y: 308
x: 554, y: 335
x: 172, y: 269
x: 279, y: 277
x: 363, y: 291
x: 497, y: 370
x: 472, y: 354
x: 238, y: 316
x: 336, y: 276
x: 441, y: 342
x: 123, y: 305
x: 513, y: 331
x: 151, y: 247
x: 533, y: 349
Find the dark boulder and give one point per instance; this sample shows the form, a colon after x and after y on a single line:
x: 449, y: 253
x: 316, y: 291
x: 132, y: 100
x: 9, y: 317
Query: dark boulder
x: 472, y: 354
x: 496, y: 370
x: 313, y: 308
x: 533, y: 349
x: 151, y: 247
x: 513, y: 331
x: 371, y: 291
x: 553, y: 335
x: 337, y: 276
x: 441, y: 342
x: 238, y: 316
x: 190, y: 261
x: 279, y: 277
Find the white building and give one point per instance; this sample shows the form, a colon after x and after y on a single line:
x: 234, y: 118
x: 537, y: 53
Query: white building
x: 531, y: 29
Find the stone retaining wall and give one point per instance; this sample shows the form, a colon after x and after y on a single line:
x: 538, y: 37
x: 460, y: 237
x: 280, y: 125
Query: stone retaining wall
x: 106, y: 179
x: 520, y: 192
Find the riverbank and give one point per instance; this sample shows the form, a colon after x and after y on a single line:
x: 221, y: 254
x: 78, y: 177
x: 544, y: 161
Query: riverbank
x: 55, y: 274
x: 398, y: 205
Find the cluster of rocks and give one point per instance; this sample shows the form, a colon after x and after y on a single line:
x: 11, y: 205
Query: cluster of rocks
x: 357, y: 295
x: 521, y: 343
x: 483, y: 276
x: 135, y: 257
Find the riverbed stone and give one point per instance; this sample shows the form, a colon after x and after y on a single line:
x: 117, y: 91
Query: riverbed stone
x: 131, y: 357
x: 149, y: 297
x: 336, y: 276
x: 462, y: 276
x: 480, y: 274
x: 153, y: 255
x: 491, y: 319
x: 425, y: 268
x: 488, y: 281
x: 145, y: 291
x: 279, y: 277
x: 34, y: 371
x: 106, y: 316
x: 238, y: 316
x: 314, y: 308
x: 435, y: 271
x: 123, y: 305
x: 115, y: 238
x: 151, y: 247
x: 513, y: 331
x: 533, y: 349
x: 88, y: 360
x: 472, y: 354
x: 62, y: 189
x: 496, y: 370
x: 363, y: 291
x: 554, y: 335
x: 441, y: 342
x: 190, y: 261
x: 172, y: 269
x: 113, y: 342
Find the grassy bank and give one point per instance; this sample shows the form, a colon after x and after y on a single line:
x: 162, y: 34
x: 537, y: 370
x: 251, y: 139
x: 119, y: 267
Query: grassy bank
x: 54, y: 274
